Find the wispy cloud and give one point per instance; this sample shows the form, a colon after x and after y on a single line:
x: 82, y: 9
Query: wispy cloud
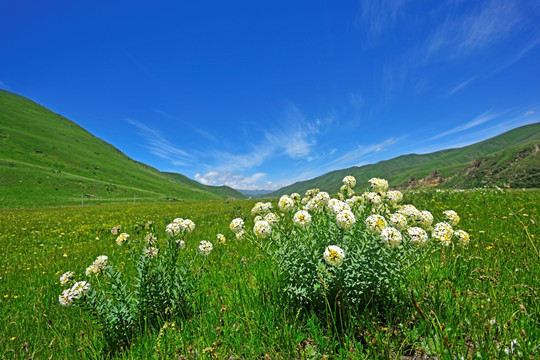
x: 478, y: 120
x: 160, y: 147
x: 4, y: 86
x: 354, y: 157
x: 377, y: 16
x: 460, y: 86
x: 236, y: 181
x: 177, y: 119
x: 461, y: 35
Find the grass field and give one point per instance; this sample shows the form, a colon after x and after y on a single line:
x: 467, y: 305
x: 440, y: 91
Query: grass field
x: 475, y: 302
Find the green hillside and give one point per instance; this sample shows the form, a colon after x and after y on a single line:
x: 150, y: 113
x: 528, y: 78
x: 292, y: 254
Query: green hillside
x: 507, y: 162
x: 48, y: 160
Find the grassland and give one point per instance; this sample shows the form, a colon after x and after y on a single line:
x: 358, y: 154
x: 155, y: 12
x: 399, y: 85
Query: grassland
x: 470, y: 303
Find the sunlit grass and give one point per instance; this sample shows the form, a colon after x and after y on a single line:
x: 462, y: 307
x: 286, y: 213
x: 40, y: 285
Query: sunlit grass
x: 481, y: 300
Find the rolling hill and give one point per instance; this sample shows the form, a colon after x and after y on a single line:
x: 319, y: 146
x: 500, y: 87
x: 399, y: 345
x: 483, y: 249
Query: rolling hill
x: 511, y: 159
x: 48, y: 160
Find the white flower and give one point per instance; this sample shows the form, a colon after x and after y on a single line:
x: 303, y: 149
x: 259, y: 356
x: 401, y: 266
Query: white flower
x: 122, y: 238
x: 334, y: 255
x: 411, y: 212
x: 150, y: 239
x: 237, y: 225
x: 66, y: 297
x: 173, y: 228
x: 79, y: 289
x: 452, y: 217
x: 151, y: 252
x: 345, y: 219
x: 338, y: 206
x: 285, y: 203
x: 302, y: 219
x: 375, y: 223
x: 349, y: 181
x: 391, y: 236
x: 399, y: 221
x: 66, y: 278
x: 178, y: 220
x: 181, y: 244
x: 205, y: 247
x: 463, y: 237
x: 426, y: 219
x: 443, y: 232
x: 346, y: 190
x: 97, y: 266
x: 417, y: 235
x: 257, y: 209
x: 116, y: 230
x: 188, y: 225
x: 221, y: 238
x: 240, y: 235
x: 373, y: 197
x: 379, y: 185
x: 270, y: 218
x: 295, y: 197
x: 262, y: 229
x: 394, y: 196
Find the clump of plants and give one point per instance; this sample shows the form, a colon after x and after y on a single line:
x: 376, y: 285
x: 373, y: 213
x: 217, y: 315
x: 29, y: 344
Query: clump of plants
x: 336, y: 256
x: 161, y: 289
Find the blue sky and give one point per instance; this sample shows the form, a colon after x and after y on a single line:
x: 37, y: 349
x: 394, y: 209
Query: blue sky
x: 258, y: 95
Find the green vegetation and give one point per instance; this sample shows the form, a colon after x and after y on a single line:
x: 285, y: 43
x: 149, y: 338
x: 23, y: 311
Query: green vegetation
x: 467, y: 302
x: 513, y: 157
x: 48, y: 160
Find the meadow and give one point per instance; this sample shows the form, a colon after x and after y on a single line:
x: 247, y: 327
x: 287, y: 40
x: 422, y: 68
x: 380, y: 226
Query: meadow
x: 478, y: 301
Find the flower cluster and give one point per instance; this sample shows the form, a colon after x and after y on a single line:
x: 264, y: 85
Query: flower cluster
x: 334, y: 255
x: 123, y: 237
x: 97, y: 266
x: 302, y: 219
x: 205, y: 247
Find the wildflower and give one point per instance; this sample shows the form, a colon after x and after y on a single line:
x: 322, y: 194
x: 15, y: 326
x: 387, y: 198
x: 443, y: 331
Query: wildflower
x: 374, y: 198
x: 116, y: 230
x: 240, y: 235
x: 379, y: 185
x: 394, y: 196
x: 334, y: 255
x: 302, y: 219
x: 79, y: 289
x: 221, y: 238
x: 337, y: 206
x: 188, y: 225
x: 452, y: 217
x: 417, y: 235
x: 285, y: 203
x: 349, y: 181
x: 181, y: 244
x: 463, y: 237
x: 256, y: 210
x: 178, y: 221
x: 237, y: 225
x: 205, y: 247
x: 399, y: 221
x: 312, y: 192
x: 97, y: 266
x: 173, y: 228
x: 391, y: 236
x: 151, y: 252
x: 375, y: 223
x: 295, y: 197
x: 66, y: 278
x: 122, y: 238
x: 66, y: 297
x: 345, y: 219
x: 346, y: 191
x: 270, y: 218
x: 262, y: 229
x: 150, y: 239
x: 425, y: 218
x: 410, y: 211
x: 443, y: 232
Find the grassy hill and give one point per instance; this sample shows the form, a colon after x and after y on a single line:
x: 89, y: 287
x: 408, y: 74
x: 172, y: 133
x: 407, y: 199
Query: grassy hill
x: 48, y: 160
x: 510, y: 159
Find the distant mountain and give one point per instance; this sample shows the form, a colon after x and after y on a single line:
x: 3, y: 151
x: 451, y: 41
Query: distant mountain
x: 255, y: 193
x: 48, y: 160
x: 511, y: 159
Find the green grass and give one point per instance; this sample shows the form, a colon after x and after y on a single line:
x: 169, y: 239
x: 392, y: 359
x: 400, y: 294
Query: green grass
x: 470, y: 302
x: 48, y: 160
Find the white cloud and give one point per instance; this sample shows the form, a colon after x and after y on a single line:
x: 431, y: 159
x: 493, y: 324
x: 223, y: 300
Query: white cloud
x: 480, y: 119
x: 255, y: 181
x: 529, y: 113
x: 352, y: 157
x: 460, y: 86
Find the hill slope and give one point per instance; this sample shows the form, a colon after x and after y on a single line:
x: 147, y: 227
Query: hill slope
x: 46, y: 159
x: 505, y: 154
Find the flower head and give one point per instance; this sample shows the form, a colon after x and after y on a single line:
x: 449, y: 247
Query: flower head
x: 349, y: 181
x: 181, y: 244
x: 426, y: 219
x: 345, y: 219
x: 394, y: 196
x: 237, y: 225
x: 391, y: 237
x: 173, y: 228
x: 271, y: 218
x: 375, y: 223
x: 373, y: 198
x: 443, y: 232
x: 150, y: 239
x: 302, y: 219
x: 399, y: 221
x: 116, y: 230
x: 205, y: 247
x: 221, y: 238
x: 66, y: 297
x: 188, y: 225
x: 379, y: 185
x: 66, y: 278
x: 151, y: 252
x: 97, y: 266
x: 79, y: 289
x: 262, y: 229
x: 463, y: 237
x: 334, y: 255
x: 285, y: 203
x: 240, y: 235
x: 417, y: 235
x: 122, y: 238
x: 452, y: 217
